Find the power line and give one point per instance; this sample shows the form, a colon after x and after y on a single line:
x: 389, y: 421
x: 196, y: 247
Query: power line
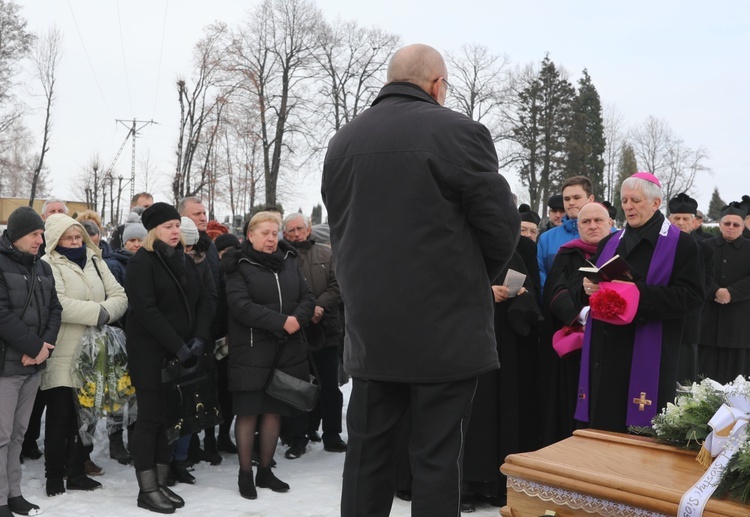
x: 124, y: 61
x: 161, y: 53
x: 88, y: 59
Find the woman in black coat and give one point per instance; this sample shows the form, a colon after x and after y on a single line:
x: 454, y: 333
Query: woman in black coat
x: 269, y: 302
x: 169, y: 316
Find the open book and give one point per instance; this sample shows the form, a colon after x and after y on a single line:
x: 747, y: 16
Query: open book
x: 615, y: 268
x: 514, y: 282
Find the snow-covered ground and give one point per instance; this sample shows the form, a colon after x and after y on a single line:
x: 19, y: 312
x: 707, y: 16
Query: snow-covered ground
x: 315, y: 480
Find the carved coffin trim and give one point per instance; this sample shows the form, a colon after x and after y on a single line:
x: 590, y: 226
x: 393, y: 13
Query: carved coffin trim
x: 577, y: 501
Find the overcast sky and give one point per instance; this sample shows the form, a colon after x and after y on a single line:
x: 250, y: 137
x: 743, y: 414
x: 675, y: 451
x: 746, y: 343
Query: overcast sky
x: 682, y: 61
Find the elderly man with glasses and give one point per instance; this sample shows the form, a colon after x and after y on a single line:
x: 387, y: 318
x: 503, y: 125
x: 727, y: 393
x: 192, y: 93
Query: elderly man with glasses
x: 724, y: 350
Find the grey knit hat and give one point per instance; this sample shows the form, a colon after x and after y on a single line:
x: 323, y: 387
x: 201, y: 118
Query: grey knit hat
x: 133, y: 231
x: 189, y: 231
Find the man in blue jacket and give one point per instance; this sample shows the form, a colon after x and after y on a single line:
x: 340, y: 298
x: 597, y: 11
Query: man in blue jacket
x: 29, y: 321
x: 576, y: 192
x: 421, y: 221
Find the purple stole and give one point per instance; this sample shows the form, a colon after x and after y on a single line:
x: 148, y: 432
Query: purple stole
x: 643, y: 390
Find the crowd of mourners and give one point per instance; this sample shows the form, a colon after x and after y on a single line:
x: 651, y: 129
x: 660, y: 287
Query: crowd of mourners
x: 181, y: 288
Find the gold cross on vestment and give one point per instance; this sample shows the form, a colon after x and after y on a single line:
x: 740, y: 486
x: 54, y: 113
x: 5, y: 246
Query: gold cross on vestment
x: 642, y: 402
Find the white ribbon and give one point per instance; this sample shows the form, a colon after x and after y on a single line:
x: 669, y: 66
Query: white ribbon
x: 735, y: 415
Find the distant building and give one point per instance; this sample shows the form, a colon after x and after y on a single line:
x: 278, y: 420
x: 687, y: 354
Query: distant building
x: 8, y: 204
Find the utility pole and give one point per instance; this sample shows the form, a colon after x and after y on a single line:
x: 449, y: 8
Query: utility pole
x: 133, y: 131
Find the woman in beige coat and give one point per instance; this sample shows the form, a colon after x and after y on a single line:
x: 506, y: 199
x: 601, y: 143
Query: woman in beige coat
x: 90, y: 296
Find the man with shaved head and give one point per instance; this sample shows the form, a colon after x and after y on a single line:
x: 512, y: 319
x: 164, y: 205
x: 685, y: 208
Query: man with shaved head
x: 420, y: 221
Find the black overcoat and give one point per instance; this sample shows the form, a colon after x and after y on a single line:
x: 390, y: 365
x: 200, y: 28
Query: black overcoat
x: 260, y: 300
x: 728, y: 326
x: 420, y: 222
x: 163, y: 314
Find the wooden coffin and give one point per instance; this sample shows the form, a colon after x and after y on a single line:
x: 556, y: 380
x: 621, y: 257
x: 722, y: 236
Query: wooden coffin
x: 603, y: 473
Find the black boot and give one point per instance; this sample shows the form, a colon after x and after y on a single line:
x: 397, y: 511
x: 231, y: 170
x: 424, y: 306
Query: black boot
x: 180, y: 472
x: 117, y: 450
x: 209, y: 454
x: 21, y: 506
x: 55, y: 486
x: 150, y: 496
x: 224, y: 443
x: 82, y: 482
x: 265, y: 479
x: 162, y: 475
x: 247, y: 486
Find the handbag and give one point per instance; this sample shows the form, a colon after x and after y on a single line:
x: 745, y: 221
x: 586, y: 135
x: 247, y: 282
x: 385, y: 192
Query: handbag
x: 299, y: 393
x: 191, y: 403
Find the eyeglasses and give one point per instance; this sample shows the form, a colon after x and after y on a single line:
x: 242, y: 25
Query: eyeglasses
x: 731, y: 225
x: 447, y: 84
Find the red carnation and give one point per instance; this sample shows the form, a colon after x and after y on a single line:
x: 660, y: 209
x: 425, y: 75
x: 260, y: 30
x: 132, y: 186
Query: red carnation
x: 606, y: 304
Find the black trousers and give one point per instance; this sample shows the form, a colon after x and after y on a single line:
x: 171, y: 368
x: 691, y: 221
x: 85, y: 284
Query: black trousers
x: 439, y: 415
x: 149, y: 445
x: 64, y: 453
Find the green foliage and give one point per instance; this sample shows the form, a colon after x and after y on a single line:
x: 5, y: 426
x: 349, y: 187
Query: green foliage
x: 626, y: 167
x: 317, y: 214
x: 544, y: 120
x: 735, y: 483
x: 586, y: 142
x: 715, y: 206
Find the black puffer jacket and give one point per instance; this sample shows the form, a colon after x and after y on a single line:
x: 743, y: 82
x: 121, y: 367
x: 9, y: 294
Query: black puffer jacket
x: 41, y: 322
x: 260, y: 301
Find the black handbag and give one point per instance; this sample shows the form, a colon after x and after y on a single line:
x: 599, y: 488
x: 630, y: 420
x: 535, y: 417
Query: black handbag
x: 190, y: 398
x: 298, y: 393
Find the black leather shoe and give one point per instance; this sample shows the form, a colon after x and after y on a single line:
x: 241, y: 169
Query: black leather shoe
x: 404, y: 495
x: 180, y: 472
x: 314, y: 436
x: 294, y: 452
x: 82, y: 482
x: 334, y: 444
x: 55, y: 486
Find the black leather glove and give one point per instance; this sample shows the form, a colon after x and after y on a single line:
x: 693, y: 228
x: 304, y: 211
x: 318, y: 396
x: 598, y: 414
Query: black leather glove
x: 196, y: 345
x: 183, y: 354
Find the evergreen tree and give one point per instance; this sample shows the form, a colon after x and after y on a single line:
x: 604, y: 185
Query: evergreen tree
x: 626, y: 167
x: 715, y: 206
x: 317, y: 214
x: 544, y: 118
x: 586, y: 142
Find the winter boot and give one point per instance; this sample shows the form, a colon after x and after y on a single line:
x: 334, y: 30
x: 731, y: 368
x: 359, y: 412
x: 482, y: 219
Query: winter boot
x: 265, y: 479
x: 162, y: 475
x: 117, y: 450
x: 150, y: 496
x: 224, y: 443
x: 180, y: 472
x: 247, y: 486
x: 210, y: 453
x: 19, y: 505
x: 55, y: 486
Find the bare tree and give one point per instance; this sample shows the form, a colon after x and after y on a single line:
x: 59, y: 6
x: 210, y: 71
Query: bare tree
x: 89, y: 184
x: 15, y: 44
x: 46, y: 58
x: 273, y: 56
x: 659, y: 151
x: 197, y: 107
x: 613, y: 133
x: 480, y: 87
x: 353, y: 61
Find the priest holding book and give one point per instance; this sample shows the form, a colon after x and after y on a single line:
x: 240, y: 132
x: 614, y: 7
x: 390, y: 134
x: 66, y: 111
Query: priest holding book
x: 629, y: 370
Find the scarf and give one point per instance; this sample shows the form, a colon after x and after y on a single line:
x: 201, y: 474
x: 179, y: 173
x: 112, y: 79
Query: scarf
x: 174, y: 258
x: 646, y: 362
x: 589, y: 250
x: 305, y: 245
x: 75, y: 255
x: 271, y: 261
